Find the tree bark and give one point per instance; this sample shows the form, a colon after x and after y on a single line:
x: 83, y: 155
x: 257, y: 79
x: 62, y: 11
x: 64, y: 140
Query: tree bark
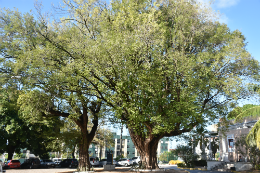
x: 147, y: 149
x: 10, y: 151
x: 73, y: 152
x: 86, y: 136
x: 84, y: 163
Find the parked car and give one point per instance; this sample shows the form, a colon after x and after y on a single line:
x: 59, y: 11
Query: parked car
x: 125, y: 162
x: 31, y: 163
x: 136, y: 160
x: 2, y: 162
x: 1, y: 167
x: 104, y: 162
x: 47, y: 163
x: 94, y: 161
x: 69, y: 163
x: 115, y: 162
x: 13, y: 164
x: 56, y: 161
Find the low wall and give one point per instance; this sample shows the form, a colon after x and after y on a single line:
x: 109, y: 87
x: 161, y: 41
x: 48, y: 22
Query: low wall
x: 109, y: 167
x: 240, y: 166
x: 212, y: 163
x: 243, y: 166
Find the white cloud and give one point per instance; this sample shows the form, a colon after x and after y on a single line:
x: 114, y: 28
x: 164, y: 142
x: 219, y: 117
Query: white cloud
x: 226, y: 3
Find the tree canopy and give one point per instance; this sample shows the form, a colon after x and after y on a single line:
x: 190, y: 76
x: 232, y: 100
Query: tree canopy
x: 17, y: 133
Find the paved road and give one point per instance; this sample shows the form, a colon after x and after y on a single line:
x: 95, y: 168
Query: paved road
x: 191, y: 171
x: 55, y: 170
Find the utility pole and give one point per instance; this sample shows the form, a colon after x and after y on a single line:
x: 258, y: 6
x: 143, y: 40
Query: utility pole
x: 121, y: 140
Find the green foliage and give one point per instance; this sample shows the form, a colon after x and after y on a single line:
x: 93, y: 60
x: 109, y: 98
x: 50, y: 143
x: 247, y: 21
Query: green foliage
x: 242, y: 146
x: 185, y: 152
x: 251, y: 151
x: 253, y: 138
x: 166, y: 156
x: 19, y: 132
x: 238, y: 111
x: 181, y: 165
x: 199, y: 163
x: 249, y: 110
x: 254, y: 154
x: 217, y: 156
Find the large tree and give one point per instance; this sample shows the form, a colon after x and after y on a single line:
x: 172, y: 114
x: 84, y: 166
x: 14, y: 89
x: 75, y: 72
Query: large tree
x: 18, y: 133
x: 163, y: 67
x: 50, y: 82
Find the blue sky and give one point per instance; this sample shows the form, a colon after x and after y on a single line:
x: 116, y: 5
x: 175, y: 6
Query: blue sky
x: 237, y: 14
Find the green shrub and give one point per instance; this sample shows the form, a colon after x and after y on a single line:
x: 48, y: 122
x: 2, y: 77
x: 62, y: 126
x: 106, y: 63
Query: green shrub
x: 200, y: 163
x: 181, y: 165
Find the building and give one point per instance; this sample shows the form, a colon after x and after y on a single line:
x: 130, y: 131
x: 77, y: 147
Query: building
x: 128, y: 148
x: 205, y: 151
x: 228, y: 152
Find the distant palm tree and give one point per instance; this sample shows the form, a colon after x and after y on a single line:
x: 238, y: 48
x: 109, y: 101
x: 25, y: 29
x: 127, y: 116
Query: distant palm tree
x: 253, y: 138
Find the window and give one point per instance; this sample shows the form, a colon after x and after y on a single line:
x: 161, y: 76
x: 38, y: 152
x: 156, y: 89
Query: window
x: 230, y: 142
x: 128, y: 140
x: 166, y: 147
x: 161, y: 147
x: 133, y: 152
x: 128, y: 152
x: 133, y: 146
x: 118, y: 140
x: 128, y: 146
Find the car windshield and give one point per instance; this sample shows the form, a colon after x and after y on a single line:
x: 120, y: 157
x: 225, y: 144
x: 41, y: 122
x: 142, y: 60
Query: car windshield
x: 15, y: 161
x: 95, y: 159
x: 47, y: 160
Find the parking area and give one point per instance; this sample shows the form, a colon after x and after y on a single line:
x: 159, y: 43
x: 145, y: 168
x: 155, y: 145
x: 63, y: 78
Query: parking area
x: 120, y: 169
x: 54, y: 170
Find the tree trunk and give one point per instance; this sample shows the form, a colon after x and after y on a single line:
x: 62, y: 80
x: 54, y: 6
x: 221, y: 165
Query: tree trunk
x: 84, y: 164
x: 148, y: 155
x: 100, y: 152
x: 87, y: 137
x: 147, y: 149
x: 10, y: 152
x: 73, y: 152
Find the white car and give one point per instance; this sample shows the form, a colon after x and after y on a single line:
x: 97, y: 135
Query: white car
x: 125, y: 162
x: 1, y: 168
x: 94, y: 161
x: 104, y: 162
x: 136, y: 160
x: 57, y: 160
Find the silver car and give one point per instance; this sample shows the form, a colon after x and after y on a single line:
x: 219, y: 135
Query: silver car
x: 125, y: 162
x: 1, y: 168
x: 136, y: 160
x: 104, y: 162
